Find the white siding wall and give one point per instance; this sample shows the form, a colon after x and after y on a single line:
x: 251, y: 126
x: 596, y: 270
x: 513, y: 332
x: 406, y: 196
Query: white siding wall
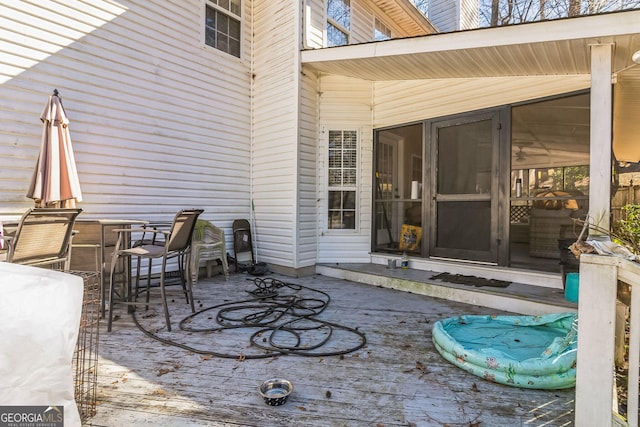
x: 313, y: 35
x: 275, y: 156
x: 345, y: 104
x: 363, y: 13
x: 307, y: 192
x: 454, y: 15
x: 158, y: 121
x: 286, y: 236
x: 361, y: 23
x: 407, y: 101
x: 469, y: 14
x: 444, y: 15
x: 314, y: 23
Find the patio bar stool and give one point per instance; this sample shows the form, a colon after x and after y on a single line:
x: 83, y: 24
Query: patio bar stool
x: 176, y: 244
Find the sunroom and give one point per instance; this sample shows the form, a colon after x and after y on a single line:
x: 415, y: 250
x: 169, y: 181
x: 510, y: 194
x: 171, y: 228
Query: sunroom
x: 488, y: 146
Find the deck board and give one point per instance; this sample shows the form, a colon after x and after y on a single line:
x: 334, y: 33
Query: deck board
x: 397, y: 379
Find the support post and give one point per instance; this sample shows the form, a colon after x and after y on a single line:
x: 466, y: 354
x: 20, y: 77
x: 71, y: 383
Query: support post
x: 600, y: 139
x: 596, y: 342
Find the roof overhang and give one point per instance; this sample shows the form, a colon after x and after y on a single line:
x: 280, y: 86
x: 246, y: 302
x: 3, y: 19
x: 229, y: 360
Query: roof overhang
x: 559, y: 47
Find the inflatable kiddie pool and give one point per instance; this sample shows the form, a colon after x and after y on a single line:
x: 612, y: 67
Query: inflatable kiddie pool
x: 536, y: 352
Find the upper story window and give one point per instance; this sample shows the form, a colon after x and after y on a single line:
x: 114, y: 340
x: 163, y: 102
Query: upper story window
x: 223, y: 25
x: 342, y: 179
x: 381, y: 31
x: 338, y: 22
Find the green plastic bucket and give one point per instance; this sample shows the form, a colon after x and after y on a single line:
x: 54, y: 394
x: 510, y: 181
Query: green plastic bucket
x: 571, y: 287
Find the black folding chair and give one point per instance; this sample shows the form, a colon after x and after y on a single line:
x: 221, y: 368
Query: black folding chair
x: 242, y: 242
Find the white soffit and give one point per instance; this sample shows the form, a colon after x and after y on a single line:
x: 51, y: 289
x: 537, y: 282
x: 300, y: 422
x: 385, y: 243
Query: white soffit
x: 559, y: 47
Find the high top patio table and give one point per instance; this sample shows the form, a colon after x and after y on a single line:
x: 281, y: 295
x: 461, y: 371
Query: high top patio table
x: 99, y: 235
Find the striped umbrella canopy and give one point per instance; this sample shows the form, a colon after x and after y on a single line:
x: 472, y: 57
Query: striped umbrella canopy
x: 55, y: 180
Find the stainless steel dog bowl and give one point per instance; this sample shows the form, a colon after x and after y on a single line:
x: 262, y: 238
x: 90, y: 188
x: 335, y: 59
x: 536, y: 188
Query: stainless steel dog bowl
x: 275, y: 391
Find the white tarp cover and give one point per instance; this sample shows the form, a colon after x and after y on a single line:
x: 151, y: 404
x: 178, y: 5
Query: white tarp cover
x: 39, y: 322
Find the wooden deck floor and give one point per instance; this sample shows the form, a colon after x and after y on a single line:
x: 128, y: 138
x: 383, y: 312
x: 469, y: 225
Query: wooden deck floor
x: 396, y: 379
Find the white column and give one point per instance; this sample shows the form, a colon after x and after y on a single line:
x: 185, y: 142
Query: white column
x: 596, y: 341
x: 601, y: 135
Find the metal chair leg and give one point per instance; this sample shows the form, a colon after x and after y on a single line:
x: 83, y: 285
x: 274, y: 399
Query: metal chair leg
x: 111, y: 292
x: 148, y: 287
x: 150, y: 261
x: 183, y: 279
x: 137, y: 287
x: 164, y: 296
x: 189, y: 282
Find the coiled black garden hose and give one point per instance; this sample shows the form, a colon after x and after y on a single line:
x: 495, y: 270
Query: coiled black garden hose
x: 279, y: 319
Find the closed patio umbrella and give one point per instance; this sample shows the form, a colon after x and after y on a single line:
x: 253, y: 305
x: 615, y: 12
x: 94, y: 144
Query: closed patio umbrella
x: 55, y: 180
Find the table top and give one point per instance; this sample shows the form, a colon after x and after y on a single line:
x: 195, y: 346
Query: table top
x: 116, y: 221
x: 15, y: 220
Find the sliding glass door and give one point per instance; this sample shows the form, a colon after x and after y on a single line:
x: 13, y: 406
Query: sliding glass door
x: 398, y: 185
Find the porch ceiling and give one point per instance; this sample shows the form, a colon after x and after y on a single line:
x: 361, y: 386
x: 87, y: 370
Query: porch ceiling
x: 559, y: 47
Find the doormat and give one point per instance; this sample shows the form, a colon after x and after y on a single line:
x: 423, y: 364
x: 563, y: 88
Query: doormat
x: 471, y: 280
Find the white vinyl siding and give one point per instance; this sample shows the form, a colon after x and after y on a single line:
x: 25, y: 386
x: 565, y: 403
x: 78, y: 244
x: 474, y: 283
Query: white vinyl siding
x: 157, y: 122
x: 454, y: 15
x: 160, y: 123
x: 469, y: 15
x: 345, y: 104
x: 275, y: 153
x: 314, y: 24
x: 444, y: 14
x: 307, y: 201
x: 407, y: 101
x: 363, y: 15
x: 361, y: 19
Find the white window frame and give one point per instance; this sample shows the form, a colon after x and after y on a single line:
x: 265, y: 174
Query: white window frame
x: 213, y: 4
x: 337, y: 25
x: 354, y: 188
